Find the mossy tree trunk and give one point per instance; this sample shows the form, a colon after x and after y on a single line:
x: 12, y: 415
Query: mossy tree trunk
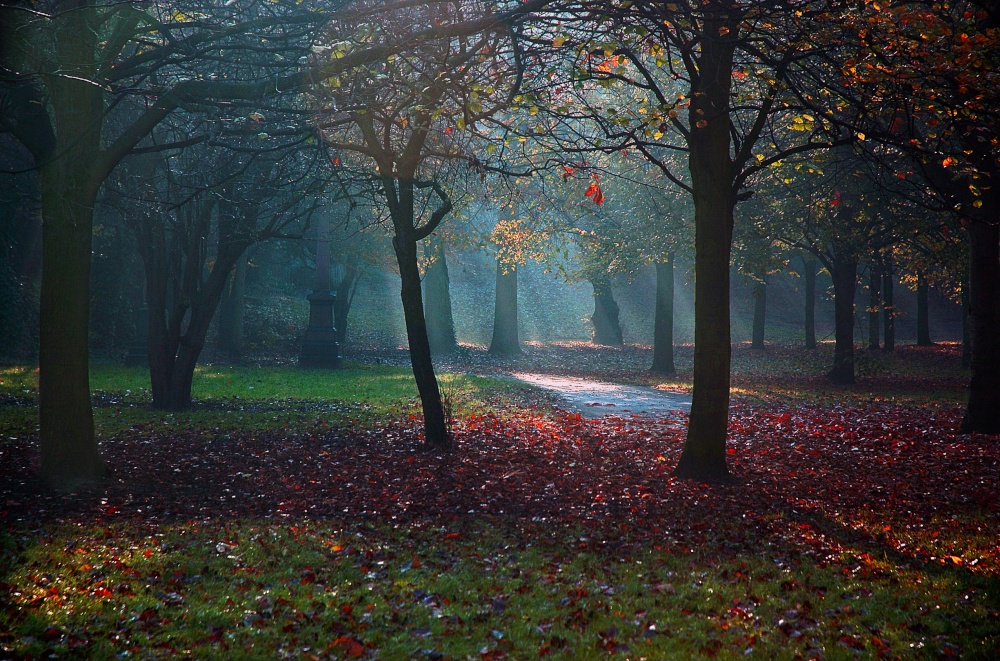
x: 69, y: 186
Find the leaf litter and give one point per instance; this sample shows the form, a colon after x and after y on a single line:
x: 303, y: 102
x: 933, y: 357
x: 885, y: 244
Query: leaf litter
x: 850, y: 530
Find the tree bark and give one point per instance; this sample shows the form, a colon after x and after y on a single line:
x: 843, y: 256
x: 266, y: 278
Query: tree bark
x: 663, y: 321
x: 505, y: 341
x: 809, y: 264
x: 888, y: 311
x: 982, y: 413
x: 759, y: 313
x: 874, y: 301
x: 182, y: 300
x: 712, y: 180
x: 607, y: 328
x: 845, y: 279
x: 437, y: 304
x: 346, y: 289
x: 923, y: 318
x: 966, y: 325
x: 405, y: 245
x: 69, y: 454
x: 231, y: 309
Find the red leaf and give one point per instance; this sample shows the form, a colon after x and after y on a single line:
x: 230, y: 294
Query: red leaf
x: 348, y: 646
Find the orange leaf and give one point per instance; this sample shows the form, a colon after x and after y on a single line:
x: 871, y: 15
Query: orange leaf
x: 349, y: 646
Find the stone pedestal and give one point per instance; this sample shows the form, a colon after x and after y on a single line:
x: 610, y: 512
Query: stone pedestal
x: 320, y: 348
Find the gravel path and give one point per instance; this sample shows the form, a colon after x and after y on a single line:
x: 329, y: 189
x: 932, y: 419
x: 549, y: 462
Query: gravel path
x: 596, y: 399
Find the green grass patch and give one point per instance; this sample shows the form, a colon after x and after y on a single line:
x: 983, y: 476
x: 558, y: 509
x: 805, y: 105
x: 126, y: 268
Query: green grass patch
x: 259, y: 589
x: 258, y: 398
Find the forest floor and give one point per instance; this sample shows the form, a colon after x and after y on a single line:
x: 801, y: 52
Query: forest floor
x: 310, y: 523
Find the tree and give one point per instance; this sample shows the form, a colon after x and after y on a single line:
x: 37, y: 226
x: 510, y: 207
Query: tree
x: 725, y: 122
x: 65, y: 68
x: 663, y: 319
x: 844, y: 221
x: 437, y: 303
x: 193, y: 240
x: 408, y: 116
x: 757, y: 249
x: 515, y: 242
x: 874, y: 299
x: 714, y: 80
x: 922, y: 79
x: 809, y: 274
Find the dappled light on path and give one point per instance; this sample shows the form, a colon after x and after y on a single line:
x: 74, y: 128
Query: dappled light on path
x: 596, y: 399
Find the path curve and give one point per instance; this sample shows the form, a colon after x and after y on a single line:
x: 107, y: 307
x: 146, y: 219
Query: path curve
x: 597, y: 399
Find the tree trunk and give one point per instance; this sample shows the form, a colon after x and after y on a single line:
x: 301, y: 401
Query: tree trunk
x: 663, y: 321
x: 712, y: 177
x: 231, y: 309
x: 607, y: 328
x: 69, y: 454
x: 966, y: 325
x: 346, y: 289
x: 888, y: 311
x: 845, y: 280
x: 759, y: 313
x: 182, y: 300
x: 437, y: 304
x: 874, y: 302
x: 982, y: 413
x: 505, y: 340
x: 923, y: 318
x: 174, y: 353
x: 405, y: 245
x: 809, y: 264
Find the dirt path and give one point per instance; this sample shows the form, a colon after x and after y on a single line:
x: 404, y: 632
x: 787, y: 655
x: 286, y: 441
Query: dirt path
x: 596, y: 399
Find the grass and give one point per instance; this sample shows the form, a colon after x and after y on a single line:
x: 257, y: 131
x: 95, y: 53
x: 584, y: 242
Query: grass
x: 258, y: 589
x: 255, y: 398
